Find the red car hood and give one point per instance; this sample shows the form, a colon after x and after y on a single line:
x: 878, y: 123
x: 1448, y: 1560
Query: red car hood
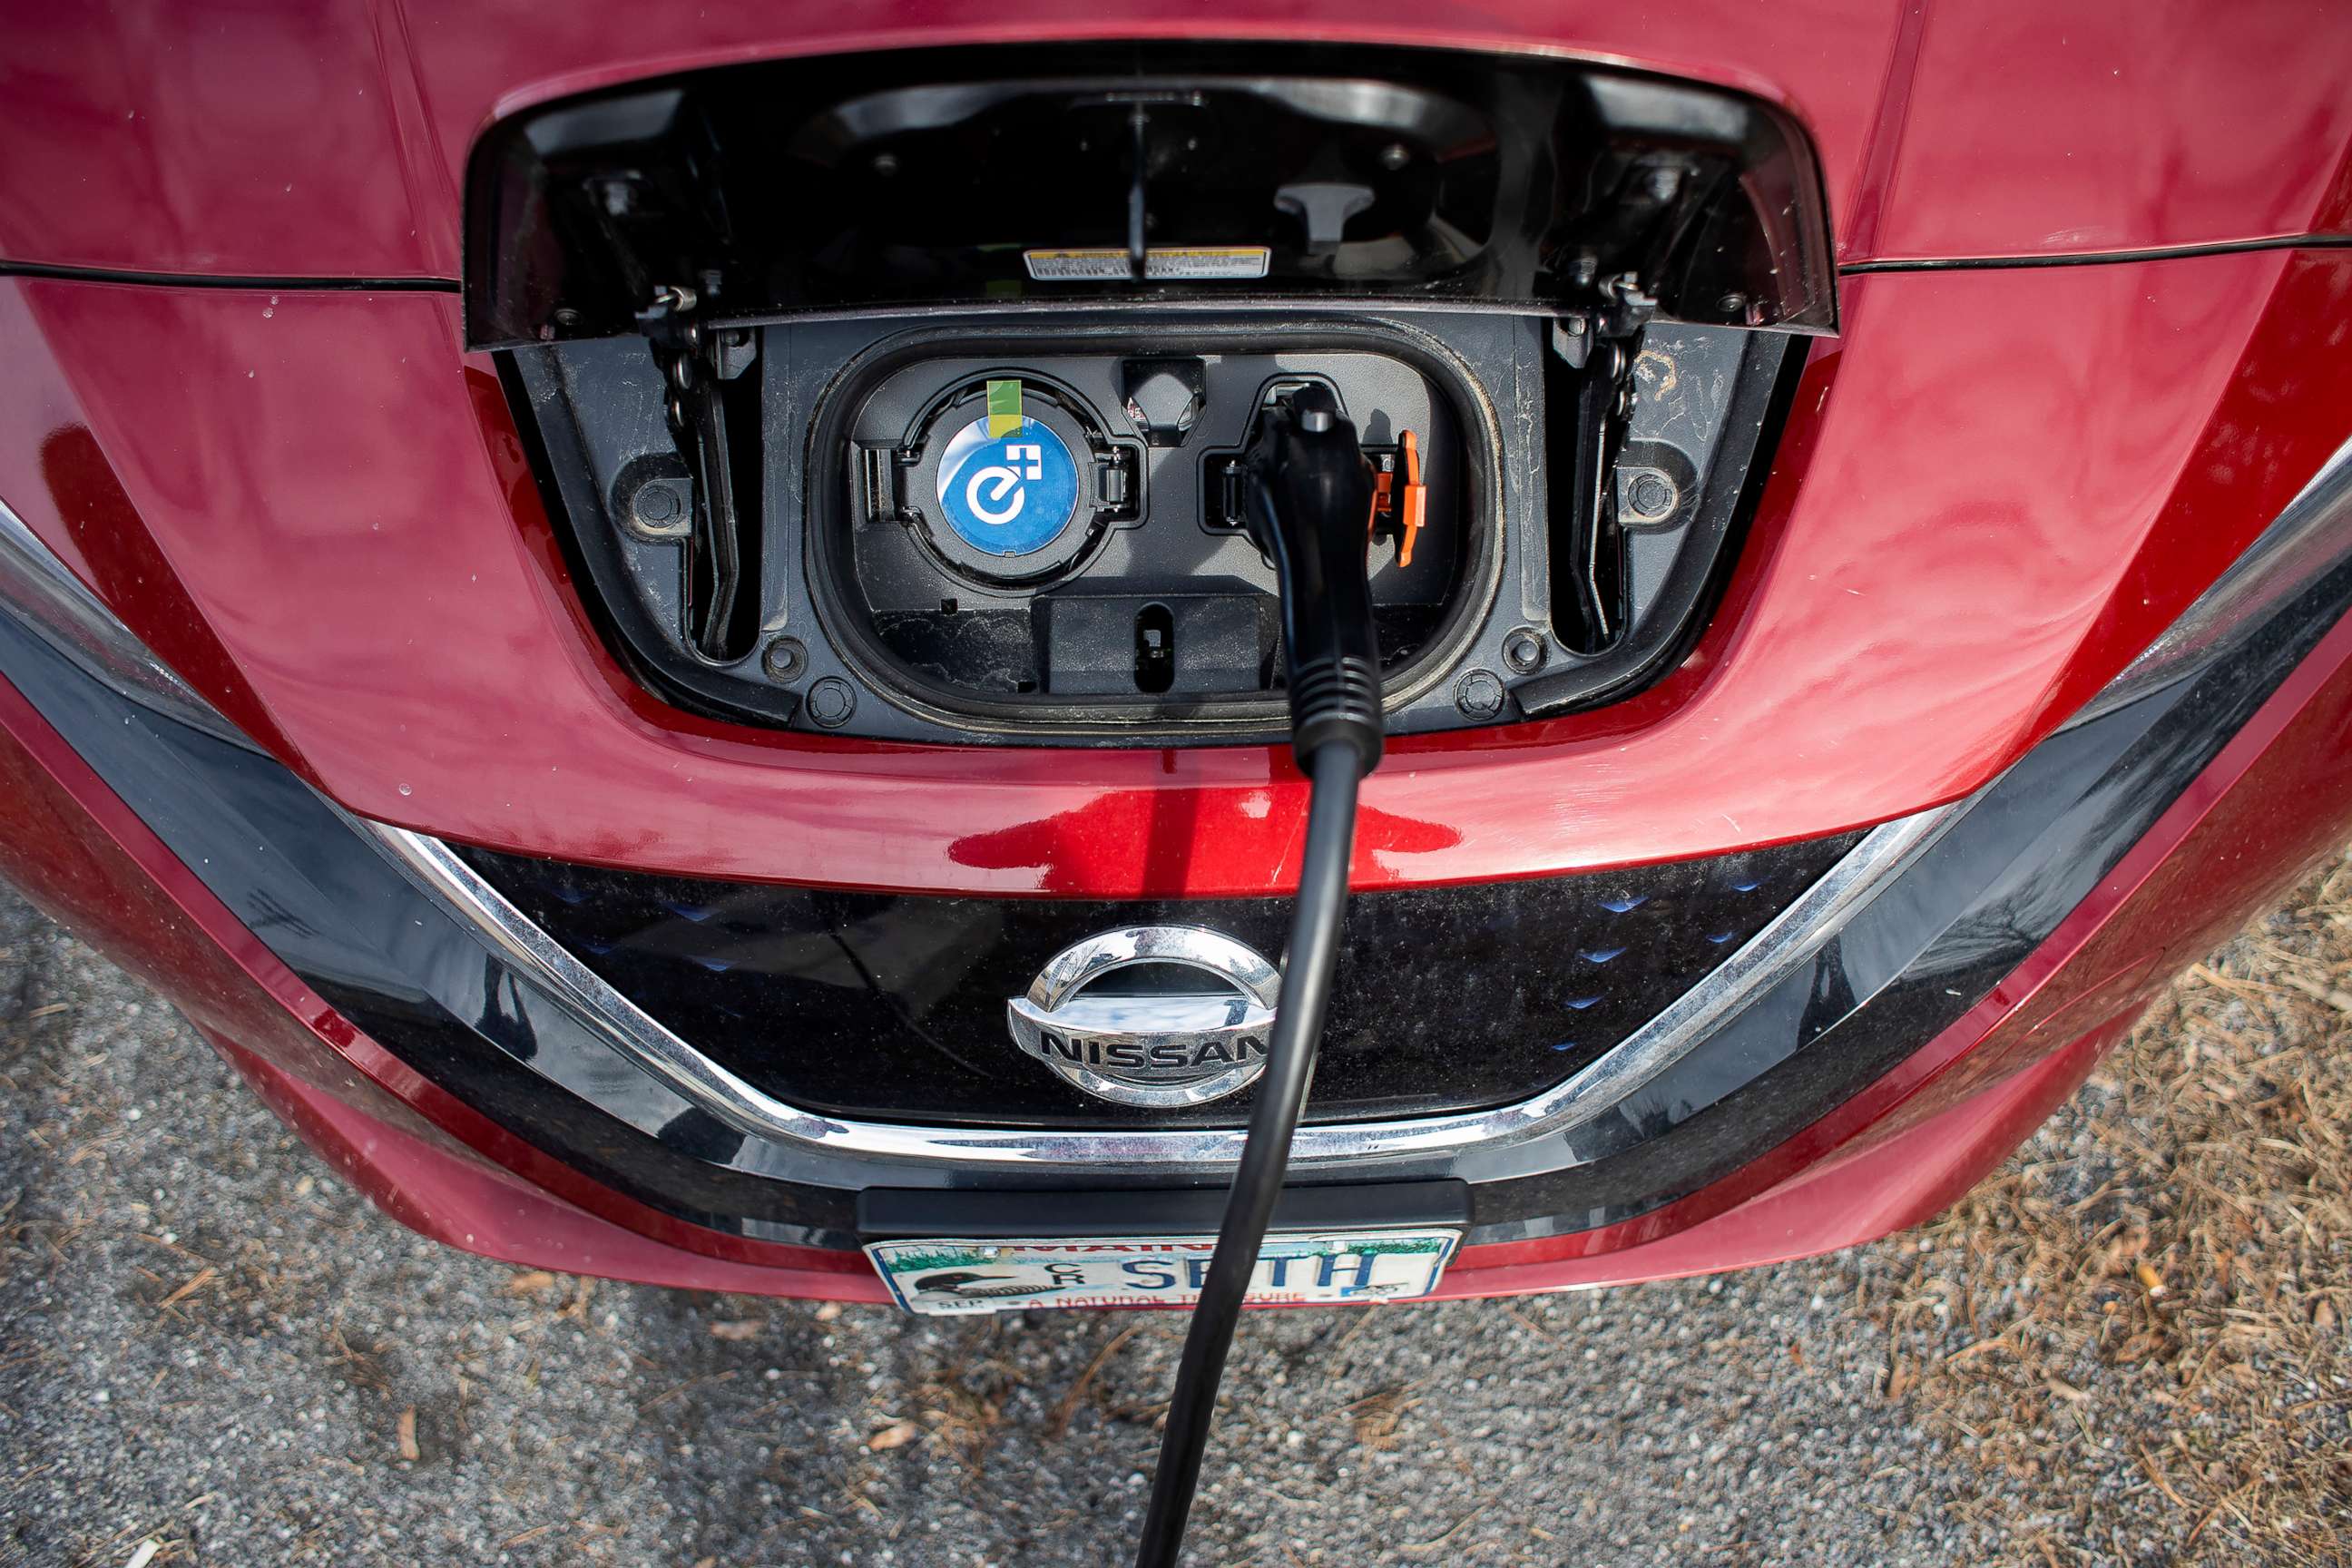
x: 1996, y: 487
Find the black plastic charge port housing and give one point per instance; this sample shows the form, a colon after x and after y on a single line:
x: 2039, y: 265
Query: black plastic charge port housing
x: 946, y: 656
x: 1589, y: 281
x: 1062, y: 649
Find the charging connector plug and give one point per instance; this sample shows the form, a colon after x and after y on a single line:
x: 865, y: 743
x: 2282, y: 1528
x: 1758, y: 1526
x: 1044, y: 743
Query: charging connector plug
x: 1308, y: 491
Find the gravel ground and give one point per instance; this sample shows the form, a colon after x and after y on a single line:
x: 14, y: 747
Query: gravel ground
x: 209, y: 1345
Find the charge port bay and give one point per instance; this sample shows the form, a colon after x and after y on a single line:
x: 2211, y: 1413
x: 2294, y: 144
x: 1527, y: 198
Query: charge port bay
x: 852, y: 579
x: 1137, y: 589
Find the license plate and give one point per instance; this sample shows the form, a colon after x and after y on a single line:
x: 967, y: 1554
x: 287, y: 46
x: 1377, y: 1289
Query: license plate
x: 953, y: 1277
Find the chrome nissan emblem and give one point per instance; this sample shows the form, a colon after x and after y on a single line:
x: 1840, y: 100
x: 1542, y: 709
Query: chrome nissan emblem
x: 1194, y: 1025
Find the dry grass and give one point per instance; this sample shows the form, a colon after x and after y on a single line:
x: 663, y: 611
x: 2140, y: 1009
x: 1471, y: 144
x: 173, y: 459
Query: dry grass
x: 961, y: 1403
x: 2143, y: 1317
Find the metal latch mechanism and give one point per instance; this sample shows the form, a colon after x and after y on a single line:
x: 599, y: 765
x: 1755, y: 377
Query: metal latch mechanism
x: 1602, y: 344
x: 693, y: 364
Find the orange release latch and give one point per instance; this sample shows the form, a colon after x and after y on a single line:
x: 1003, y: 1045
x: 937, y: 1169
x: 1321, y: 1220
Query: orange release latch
x: 1402, y: 496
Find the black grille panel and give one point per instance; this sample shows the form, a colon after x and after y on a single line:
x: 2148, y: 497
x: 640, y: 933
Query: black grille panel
x: 891, y: 1007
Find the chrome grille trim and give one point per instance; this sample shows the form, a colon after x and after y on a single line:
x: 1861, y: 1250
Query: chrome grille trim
x: 1798, y: 933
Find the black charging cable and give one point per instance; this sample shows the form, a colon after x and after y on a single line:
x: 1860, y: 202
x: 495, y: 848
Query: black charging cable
x: 1309, y: 502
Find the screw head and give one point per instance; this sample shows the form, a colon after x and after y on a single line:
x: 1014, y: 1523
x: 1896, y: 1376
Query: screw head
x: 1524, y: 650
x: 658, y: 503
x: 830, y: 702
x: 1652, y: 496
x: 1395, y: 156
x: 1479, y: 694
x: 785, y: 660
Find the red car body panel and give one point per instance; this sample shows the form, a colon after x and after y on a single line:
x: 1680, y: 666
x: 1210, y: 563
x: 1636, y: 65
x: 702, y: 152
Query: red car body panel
x: 1896, y: 1154
x: 1996, y: 488
x: 329, y: 139
x: 1995, y: 491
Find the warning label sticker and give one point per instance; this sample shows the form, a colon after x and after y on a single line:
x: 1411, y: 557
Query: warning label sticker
x: 1162, y: 264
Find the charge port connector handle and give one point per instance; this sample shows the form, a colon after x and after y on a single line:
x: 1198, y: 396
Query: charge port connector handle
x: 1308, y: 491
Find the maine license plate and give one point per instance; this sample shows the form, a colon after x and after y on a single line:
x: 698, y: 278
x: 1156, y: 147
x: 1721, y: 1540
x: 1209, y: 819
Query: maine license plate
x: 951, y: 1277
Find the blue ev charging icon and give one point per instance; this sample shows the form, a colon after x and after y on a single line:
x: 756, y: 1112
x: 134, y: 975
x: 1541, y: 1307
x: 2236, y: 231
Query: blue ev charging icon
x: 1009, y: 495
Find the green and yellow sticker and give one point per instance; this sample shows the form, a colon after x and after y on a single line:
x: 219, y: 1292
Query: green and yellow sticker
x: 1003, y: 409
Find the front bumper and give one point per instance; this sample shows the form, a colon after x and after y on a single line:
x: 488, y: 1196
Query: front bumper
x: 1859, y: 1092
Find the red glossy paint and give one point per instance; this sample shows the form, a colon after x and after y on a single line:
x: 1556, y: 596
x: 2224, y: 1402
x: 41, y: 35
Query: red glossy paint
x: 2275, y: 800
x: 438, y: 1167
x: 2085, y: 126
x: 70, y: 844
x: 327, y: 137
x: 1875, y: 1191
x: 438, y: 1193
x: 1845, y: 1202
x: 1996, y: 489
x: 2277, y: 796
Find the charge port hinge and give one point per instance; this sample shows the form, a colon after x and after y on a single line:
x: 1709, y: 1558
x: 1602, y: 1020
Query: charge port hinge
x: 1588, y: 577
x: 695, y: 365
